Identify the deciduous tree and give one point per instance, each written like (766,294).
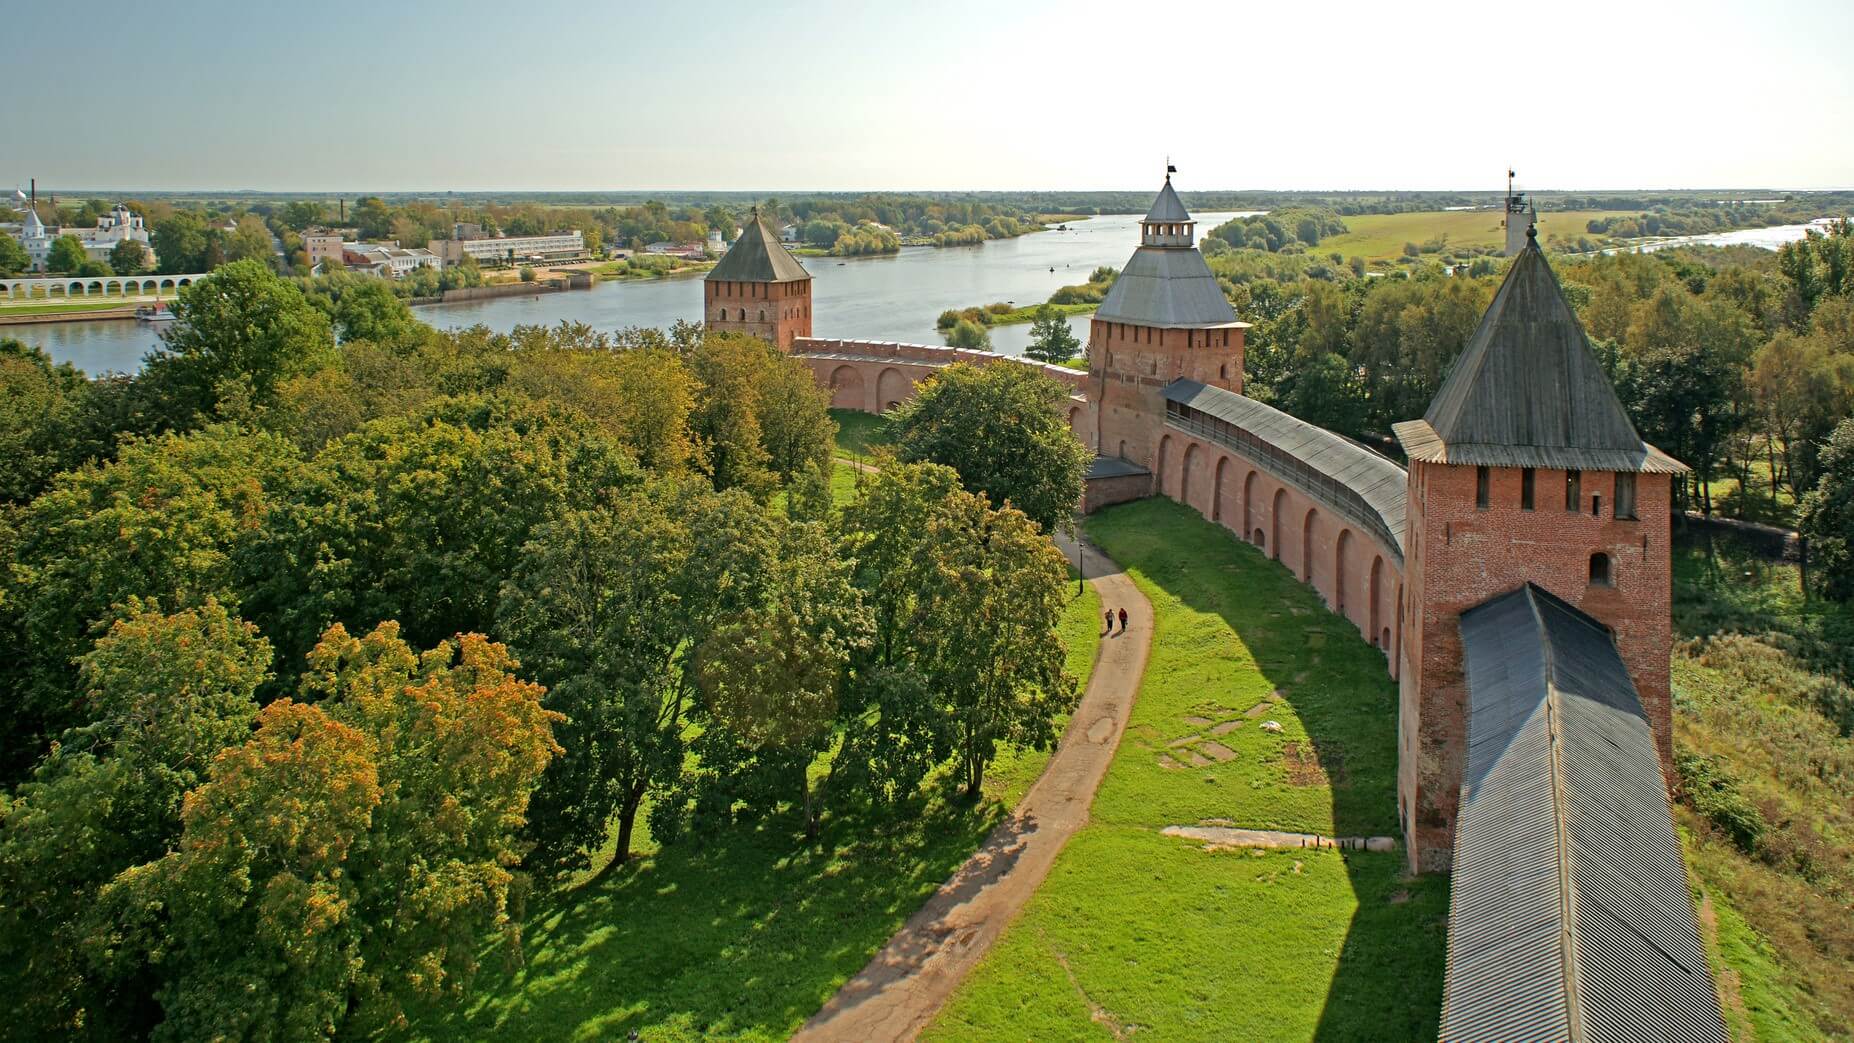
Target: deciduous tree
(1004,428)
(1051,340)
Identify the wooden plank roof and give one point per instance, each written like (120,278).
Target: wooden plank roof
(758,256)
(1527,391)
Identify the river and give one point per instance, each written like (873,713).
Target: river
(893,297)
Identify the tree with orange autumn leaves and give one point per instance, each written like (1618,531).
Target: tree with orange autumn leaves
(352,855)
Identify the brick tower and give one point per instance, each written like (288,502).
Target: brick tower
(1525,469)
(1165,318)
(759,288)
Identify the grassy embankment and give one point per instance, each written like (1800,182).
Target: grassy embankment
(1135,933)
(1381,237)
(99,303)
(742,935)
(1762,714)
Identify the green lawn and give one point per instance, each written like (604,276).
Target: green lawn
(1135,932)
(859,432)
(744,936)
(99,303)
(1380,237)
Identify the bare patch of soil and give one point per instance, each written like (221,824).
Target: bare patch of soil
(1305,767)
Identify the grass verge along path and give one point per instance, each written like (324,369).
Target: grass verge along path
(1137,934)
(913,975)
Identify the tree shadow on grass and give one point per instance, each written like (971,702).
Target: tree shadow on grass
(1388,981)
(742,937)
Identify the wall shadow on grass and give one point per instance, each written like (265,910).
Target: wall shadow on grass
(743,937)
(1388,981)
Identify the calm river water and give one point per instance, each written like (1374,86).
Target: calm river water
(896,297)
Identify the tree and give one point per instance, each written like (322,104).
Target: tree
(419,519)
(163,694)
(964,600)
(160,523)
(1051,340)
(67,254)
(607,606)
(238,333)
(130,257)
(726,418)
(42,421)
(180,242)
(13,257)
(1683,400)
(1004,428)
(771,676)
(969,335)
(1827,516)
(250,241)
(794,418)
(352,855)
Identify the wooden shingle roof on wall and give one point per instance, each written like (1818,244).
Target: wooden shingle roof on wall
(1528,391)
(1569,913)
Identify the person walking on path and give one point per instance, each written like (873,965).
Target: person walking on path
(1109,614)
(1123,620)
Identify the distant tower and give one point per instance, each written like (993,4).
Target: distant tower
(1525,469)
(759,288)
(1521,217)
(1164,319)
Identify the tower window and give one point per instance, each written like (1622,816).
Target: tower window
(1600,570)
(1481,483)
(1525,488)
(1625,496)
(1573,489)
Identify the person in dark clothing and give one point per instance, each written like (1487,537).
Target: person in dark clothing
(1123,620)
(1109,614)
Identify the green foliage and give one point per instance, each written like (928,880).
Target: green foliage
(353,854)
(1280,229)
(129,257)
(162,523)
(1003,428)
(162,695)
(1828,515)
(67,255)
(758,415)
(969,335)
(46,421)
(419,519)
(608,606)
(1051,340)
(13,257)
(1709,787)
(1820,266)
(238,334)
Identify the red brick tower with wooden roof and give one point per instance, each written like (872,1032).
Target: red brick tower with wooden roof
(1525,469)
(759,288)
(1165,318)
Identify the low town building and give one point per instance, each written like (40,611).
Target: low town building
(112,229)
(389,260)
(512,249)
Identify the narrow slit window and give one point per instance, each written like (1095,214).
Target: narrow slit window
(1625,496)
(1573,489)
(1526,476)
(1481,482)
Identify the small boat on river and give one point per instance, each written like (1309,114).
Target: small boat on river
(155,314)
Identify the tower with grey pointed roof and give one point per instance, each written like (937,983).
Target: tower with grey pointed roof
(1525,469)
(1165,318)
(759,288)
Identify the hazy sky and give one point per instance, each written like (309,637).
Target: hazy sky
(951,94)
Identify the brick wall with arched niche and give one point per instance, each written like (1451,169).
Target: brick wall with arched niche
(1349,566)
(874,376)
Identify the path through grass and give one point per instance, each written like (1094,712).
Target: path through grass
(1138,932)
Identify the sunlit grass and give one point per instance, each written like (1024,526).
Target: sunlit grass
(1146,934)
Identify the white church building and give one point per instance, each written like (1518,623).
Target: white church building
(112,229)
